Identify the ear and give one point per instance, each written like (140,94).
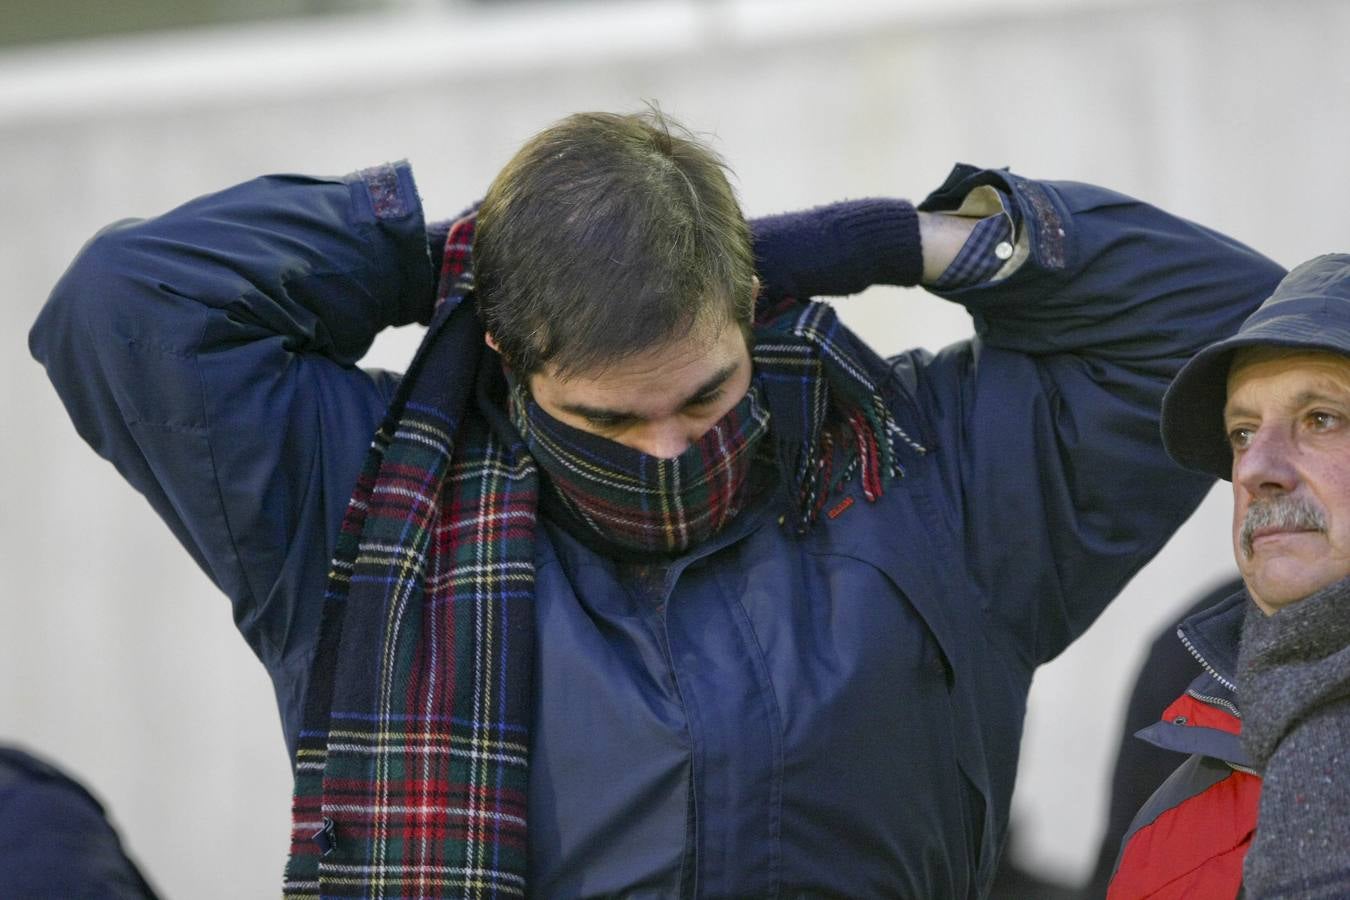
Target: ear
(493,345)
(755,286)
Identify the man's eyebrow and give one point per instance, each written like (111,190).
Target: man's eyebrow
(586,411)
(716,381)
(1309,397)
(1301,399)
(1236,412)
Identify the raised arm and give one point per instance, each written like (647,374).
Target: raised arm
(209,354)
(1047,422)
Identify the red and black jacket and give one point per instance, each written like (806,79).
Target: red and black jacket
(1190,838)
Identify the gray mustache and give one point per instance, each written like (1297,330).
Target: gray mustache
(1281,512)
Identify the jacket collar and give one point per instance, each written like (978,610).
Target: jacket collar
(1214,635)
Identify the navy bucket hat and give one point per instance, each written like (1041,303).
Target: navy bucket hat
(1309,310)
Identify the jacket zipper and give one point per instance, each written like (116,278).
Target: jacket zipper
(1216,701)
(1208,668)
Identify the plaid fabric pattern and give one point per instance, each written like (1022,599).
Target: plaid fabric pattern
(976,262)
(412,766)
(832,418)
(639,502)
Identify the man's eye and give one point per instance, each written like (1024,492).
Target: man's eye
(704,399)
(1322,421)
(608,426)
(1239,438)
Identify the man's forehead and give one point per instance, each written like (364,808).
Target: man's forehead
(701,346)
(1284,373)
(657,377)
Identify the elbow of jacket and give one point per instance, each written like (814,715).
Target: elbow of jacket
(82,290)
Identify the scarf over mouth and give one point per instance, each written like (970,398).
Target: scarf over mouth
(412,764)
(630,503)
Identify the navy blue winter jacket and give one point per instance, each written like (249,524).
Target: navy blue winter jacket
(55,839)
(834,714)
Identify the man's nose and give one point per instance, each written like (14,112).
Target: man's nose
(665,439)
(1267,464)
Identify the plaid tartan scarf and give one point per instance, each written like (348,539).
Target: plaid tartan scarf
(412,762)
(634,503)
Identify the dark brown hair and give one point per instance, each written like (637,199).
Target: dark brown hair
(605,236)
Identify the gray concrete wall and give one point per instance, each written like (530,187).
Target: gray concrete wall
(119,656)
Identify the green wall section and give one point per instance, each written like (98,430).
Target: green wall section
(23,22)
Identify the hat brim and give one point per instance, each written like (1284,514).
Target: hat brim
(1192,412)
(1309,311)
(1192,408)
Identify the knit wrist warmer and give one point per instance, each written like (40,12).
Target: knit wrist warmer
(829,251)
(839,249)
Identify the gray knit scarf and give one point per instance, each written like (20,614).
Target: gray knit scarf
(1294,687)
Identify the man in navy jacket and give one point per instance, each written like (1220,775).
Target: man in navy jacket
(836,712)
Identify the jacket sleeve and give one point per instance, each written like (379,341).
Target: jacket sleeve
(1057,483)
(209,354)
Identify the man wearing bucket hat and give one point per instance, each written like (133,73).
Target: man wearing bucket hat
(1268,724)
